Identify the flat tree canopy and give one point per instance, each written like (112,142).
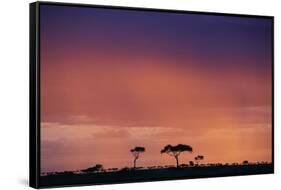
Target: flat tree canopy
(138,149)
(177,148)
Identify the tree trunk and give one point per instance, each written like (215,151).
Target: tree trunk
(135,160)
(177,159)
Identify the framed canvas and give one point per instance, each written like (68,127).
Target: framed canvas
(121,94)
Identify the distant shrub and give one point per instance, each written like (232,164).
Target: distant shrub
(96,168)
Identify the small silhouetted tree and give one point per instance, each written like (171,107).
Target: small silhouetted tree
(175,151)
(191,163)
(198,159)
(136,153)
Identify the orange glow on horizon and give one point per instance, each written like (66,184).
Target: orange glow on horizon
(115,108)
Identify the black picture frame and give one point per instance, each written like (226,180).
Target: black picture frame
(34,98)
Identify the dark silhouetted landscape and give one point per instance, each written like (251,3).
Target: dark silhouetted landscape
(98,175)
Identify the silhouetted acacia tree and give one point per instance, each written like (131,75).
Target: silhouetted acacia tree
(136,153)
(198,159)
(175,151)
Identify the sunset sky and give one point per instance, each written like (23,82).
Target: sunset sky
(115,79)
